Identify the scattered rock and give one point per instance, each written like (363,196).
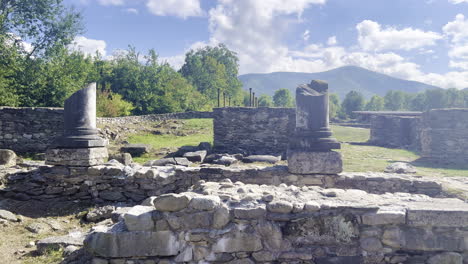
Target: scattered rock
(226,160)
(161,162)
(204,146)
(7,158)
(124,158)
(400,167)
(197,156)
(184,149)
(7,215)
(261,158)
(100,213)
(136,149)
(74,239)
(38,228)
(182,161)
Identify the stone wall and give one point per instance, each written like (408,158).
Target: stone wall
(253,130)
(29,129)
(116,182)
(154,117)
(395,131)
(444,137)
(230,222)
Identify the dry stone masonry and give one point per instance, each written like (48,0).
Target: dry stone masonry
(230,222)
(253,130)
(395,131)
(29,129)
(444,136)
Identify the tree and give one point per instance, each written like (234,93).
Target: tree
(211,69)
(435,98)
(376,103)
(265,101)
(110,104)
(334,105)
(394,100)
(46,24)
(354,101)
(283,98)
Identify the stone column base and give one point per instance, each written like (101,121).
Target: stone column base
(79,157)
(304,162)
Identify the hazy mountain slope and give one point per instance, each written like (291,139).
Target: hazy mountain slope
(340,80)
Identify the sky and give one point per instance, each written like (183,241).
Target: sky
(420,40)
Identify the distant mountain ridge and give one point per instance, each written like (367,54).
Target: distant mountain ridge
(340,80)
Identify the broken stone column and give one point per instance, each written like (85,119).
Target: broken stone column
(310,148)
(80,144)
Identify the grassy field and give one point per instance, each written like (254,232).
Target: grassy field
(357,156)
(198,130)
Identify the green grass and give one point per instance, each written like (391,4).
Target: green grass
(358,158)
(203,129)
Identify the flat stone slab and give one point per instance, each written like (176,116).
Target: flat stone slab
(136,149)
(304,162)
(80,157)
(262,158)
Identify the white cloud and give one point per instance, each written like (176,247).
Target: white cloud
(88,46)
(131,11)
(372,38)
(254,29)
(179,8)
(306,35)
(111,2)
(332,41)
(457,29)
(458,1)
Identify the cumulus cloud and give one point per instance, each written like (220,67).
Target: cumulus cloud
(88,46)
(179,8)
(457,32)
(372,37)
(458,1)
(332,41)
(111,2)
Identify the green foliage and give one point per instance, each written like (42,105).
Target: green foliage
(265,100)
(283,98)
(152,87)
(334,106)
(376,103)
(211,69)
(354,101)
(394,100)
(46,24)
(109,104)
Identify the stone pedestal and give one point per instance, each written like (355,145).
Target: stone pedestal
(80,144)
(310,147)
(76,157)
(306,162)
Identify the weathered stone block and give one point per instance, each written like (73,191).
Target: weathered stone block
(7,158)
(171,202)
(80,157)
(139,218)
(129,244)
(304,162)
(385,216)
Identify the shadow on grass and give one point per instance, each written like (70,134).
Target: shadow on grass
(430,163)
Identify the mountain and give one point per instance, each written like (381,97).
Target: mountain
(340,81)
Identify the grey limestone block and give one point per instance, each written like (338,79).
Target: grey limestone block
(79,157)
(306,162)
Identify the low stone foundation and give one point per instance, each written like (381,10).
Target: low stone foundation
(115,182)
(229,222)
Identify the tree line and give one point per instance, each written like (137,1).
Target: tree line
(45,71)
(395,100)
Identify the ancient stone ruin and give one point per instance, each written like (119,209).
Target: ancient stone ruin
(306,212)
(80,144)
(310,147)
